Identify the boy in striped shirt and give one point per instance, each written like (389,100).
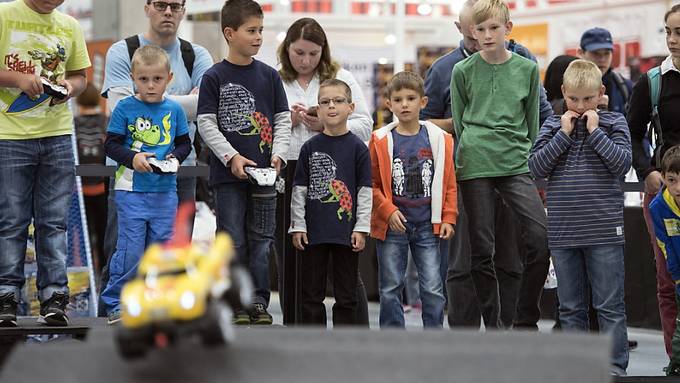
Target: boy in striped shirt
(584,153)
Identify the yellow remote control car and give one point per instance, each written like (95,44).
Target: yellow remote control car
(181,290)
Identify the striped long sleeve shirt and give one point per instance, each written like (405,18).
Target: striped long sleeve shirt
(585,197)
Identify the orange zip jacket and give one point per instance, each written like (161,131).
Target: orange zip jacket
(444,197)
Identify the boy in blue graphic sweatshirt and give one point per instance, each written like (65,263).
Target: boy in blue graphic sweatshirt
(143,126)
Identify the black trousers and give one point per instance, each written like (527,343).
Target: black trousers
(313,275)
(287,264)
(463,309)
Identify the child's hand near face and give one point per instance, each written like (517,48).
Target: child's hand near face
(140,164)
(567,120)
(358,241)
(593,120)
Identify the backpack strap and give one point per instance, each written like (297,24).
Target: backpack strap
(188,55)
(132,43)
(621,85)
(654,79)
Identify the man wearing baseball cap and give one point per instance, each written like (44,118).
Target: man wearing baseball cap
(597,46)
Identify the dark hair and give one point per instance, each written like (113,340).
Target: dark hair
(307,29)
(675,8)
(236,12)
(671,160)
(554,75)
(405,80)
(338,83)
(89,97)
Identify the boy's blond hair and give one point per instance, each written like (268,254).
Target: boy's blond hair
(405,80)
(150,55)
(486,9)
(582,74)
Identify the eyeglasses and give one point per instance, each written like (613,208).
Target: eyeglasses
(161,6)
(336,101)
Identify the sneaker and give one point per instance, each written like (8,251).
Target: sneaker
(259,315)
(53,310)
(241,318)
(672,370)
(114,317)
(8,310)
(632,345)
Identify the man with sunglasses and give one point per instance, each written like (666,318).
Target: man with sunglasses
(188,62)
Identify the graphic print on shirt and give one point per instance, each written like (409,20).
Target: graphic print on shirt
(324,187)
(236,113)
(34,53)
(145,133)
(412,175)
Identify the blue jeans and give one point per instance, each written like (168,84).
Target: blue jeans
(186,191)
(248,214)
(392,259)
(37,177)
(603,268)
(143,219)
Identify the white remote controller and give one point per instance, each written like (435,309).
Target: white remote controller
(163,166)
(261,176)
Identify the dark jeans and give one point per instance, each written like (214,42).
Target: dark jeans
(248,213)
(287,267)
(314,271)
(519,192)
(186,191)
(463,307)
(37,178)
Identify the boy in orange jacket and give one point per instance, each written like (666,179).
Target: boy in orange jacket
(414,200)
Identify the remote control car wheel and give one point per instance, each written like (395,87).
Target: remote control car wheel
(240,293)
(218,329)
(132,344)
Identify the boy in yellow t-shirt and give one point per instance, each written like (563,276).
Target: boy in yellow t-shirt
(43,64)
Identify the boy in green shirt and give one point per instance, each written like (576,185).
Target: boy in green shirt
(43,49)
(494,102)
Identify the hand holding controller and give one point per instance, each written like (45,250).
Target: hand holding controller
(54,90)
(261,176)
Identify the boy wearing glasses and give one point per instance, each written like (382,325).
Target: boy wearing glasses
(414,193)
(244,119)
(331,209)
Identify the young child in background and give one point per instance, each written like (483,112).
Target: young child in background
(665,212)
(90,128)
(331,209)
(414,194)
(584,153)
(143,126)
